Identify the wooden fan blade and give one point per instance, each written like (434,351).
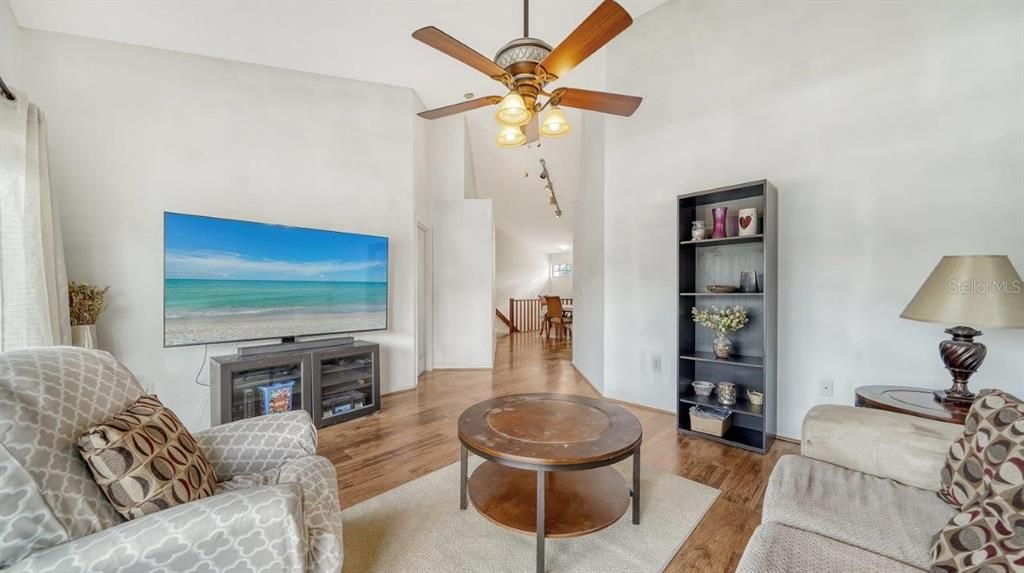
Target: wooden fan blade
(459,107)
(437,39)
(604,102)
(603,24)
(531,130)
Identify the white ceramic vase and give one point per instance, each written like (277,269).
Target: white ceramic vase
(747,222)
(84,336)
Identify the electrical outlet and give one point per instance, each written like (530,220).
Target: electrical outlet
(656,362)
(826,388)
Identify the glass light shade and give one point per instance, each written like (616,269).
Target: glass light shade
(510,136)
(555,124)
(512,111)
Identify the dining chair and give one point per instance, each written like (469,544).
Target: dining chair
(557,317)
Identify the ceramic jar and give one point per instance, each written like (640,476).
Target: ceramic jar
(727,393)
(747,222)
(699,232)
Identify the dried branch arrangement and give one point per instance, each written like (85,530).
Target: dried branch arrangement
(87,302)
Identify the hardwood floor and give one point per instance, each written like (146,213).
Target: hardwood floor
(415,434)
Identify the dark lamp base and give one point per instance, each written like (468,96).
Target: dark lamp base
(946,397)
(962,357)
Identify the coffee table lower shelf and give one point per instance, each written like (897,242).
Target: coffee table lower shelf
(576,502)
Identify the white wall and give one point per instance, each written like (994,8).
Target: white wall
(588,239)
(136,131)
(895,134)
(463,285)
(561,286)
(10,48)
(463,252)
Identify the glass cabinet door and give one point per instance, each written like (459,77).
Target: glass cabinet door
(266,389)
(343,385)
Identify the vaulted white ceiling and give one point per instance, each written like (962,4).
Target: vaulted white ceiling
(370,41)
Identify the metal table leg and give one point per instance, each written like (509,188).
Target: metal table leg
(463,478)
(636,487)
(541,475)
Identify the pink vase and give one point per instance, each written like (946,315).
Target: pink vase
(718,214)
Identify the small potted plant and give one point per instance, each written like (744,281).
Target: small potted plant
(87,302)
(723,321)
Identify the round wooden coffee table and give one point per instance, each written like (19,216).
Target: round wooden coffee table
(547,463)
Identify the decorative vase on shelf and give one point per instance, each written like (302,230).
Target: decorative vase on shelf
(727,393)
(84,336)
(698,232)
(719,216)
(722,345)
(747,222)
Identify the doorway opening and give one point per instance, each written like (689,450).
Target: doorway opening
(424,298)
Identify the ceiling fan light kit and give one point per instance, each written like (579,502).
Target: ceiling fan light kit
(527,65)
(512,111)
(555,123)
(511,136)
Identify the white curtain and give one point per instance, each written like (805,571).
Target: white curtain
(33,282)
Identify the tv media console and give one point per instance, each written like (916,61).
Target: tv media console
(334,383)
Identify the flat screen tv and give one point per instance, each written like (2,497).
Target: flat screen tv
(230,281)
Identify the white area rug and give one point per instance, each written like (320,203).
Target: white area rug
(419,527)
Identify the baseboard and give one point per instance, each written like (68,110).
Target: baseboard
(580,374)
(787,439)
(469,369)
(399,391)
(617,401)
(642,406)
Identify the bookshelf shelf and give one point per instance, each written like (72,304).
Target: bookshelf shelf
(725,241)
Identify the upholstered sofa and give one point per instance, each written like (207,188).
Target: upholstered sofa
(860,497)
(275,508)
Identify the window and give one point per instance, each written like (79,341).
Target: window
(561,271)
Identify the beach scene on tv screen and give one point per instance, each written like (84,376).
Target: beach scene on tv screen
(227,280)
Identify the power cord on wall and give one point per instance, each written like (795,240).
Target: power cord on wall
(206,349)
(203,408)
(206,399)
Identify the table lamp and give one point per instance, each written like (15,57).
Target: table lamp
(975,290)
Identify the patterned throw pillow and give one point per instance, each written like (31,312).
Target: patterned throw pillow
(984,478)
(145,460)
(988,458)
(987,536)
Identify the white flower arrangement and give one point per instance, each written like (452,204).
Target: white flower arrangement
(721,320)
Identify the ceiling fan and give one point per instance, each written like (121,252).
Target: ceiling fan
(526,65)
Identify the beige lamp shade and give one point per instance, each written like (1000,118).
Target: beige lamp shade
(975,291)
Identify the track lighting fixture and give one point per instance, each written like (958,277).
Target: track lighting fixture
(550,188)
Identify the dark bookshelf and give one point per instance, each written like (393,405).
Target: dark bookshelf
(719,261)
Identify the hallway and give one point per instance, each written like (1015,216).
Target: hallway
(415,434)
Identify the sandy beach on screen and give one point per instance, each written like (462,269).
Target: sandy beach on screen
(201,329)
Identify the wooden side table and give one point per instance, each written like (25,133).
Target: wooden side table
(912,401)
